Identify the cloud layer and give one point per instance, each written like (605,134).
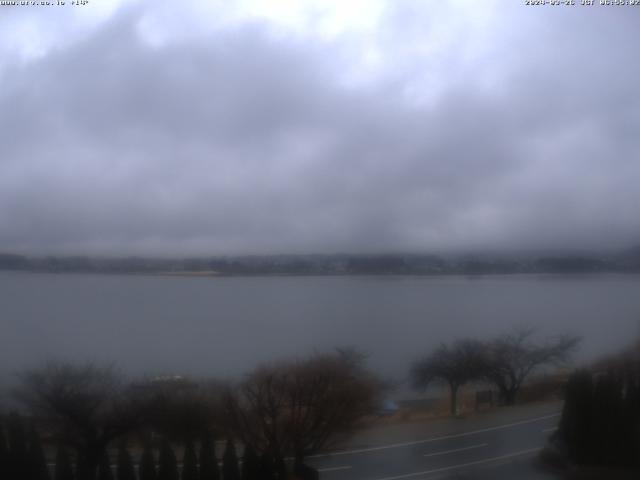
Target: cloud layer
(211,129)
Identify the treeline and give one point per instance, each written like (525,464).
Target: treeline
(330,264)
(22,457)
(101,426)
(600,422)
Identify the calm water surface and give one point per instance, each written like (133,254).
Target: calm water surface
(224,326)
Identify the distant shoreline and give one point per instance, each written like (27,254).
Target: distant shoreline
(334,265)
(197,274)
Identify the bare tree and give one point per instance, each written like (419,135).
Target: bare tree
(512,357)
(301,406)
(454,365)
(86,406)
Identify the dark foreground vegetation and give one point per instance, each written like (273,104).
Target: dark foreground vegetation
(504,362)
(600,423)
(92,425)
(86,422)
(626,261)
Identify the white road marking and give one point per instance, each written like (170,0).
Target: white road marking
(434,439)
(455,450)
(333,469)
(547,430)
(462,465)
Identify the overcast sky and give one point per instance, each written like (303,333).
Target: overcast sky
(318,126)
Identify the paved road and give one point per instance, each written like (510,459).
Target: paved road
(499,445)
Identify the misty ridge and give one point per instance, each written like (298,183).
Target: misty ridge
(627,261)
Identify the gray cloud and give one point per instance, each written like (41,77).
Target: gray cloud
(242,141)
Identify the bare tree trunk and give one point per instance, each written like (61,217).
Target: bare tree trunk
(509,396)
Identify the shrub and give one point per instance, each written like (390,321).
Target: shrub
(250,464)
(37,462)
(189,463)
(104,467)
(230,470)
(168,466)
(63,470)
(600,422)
(125,468)
(147,464)
(208,461)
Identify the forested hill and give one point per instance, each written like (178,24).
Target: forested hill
(628,261)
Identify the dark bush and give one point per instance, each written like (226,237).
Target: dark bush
(125,468)
(250,464)
(230,470)
(4,454)
(18,458)
(600,422)
(208,460)
(147,464)
(575,424)
(37,462)
(104,467)
(189,463)
(168,466)
(267,467)
(63,469)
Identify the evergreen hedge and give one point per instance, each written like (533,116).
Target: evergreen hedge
(600,422)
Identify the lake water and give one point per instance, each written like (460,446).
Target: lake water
(225,326)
